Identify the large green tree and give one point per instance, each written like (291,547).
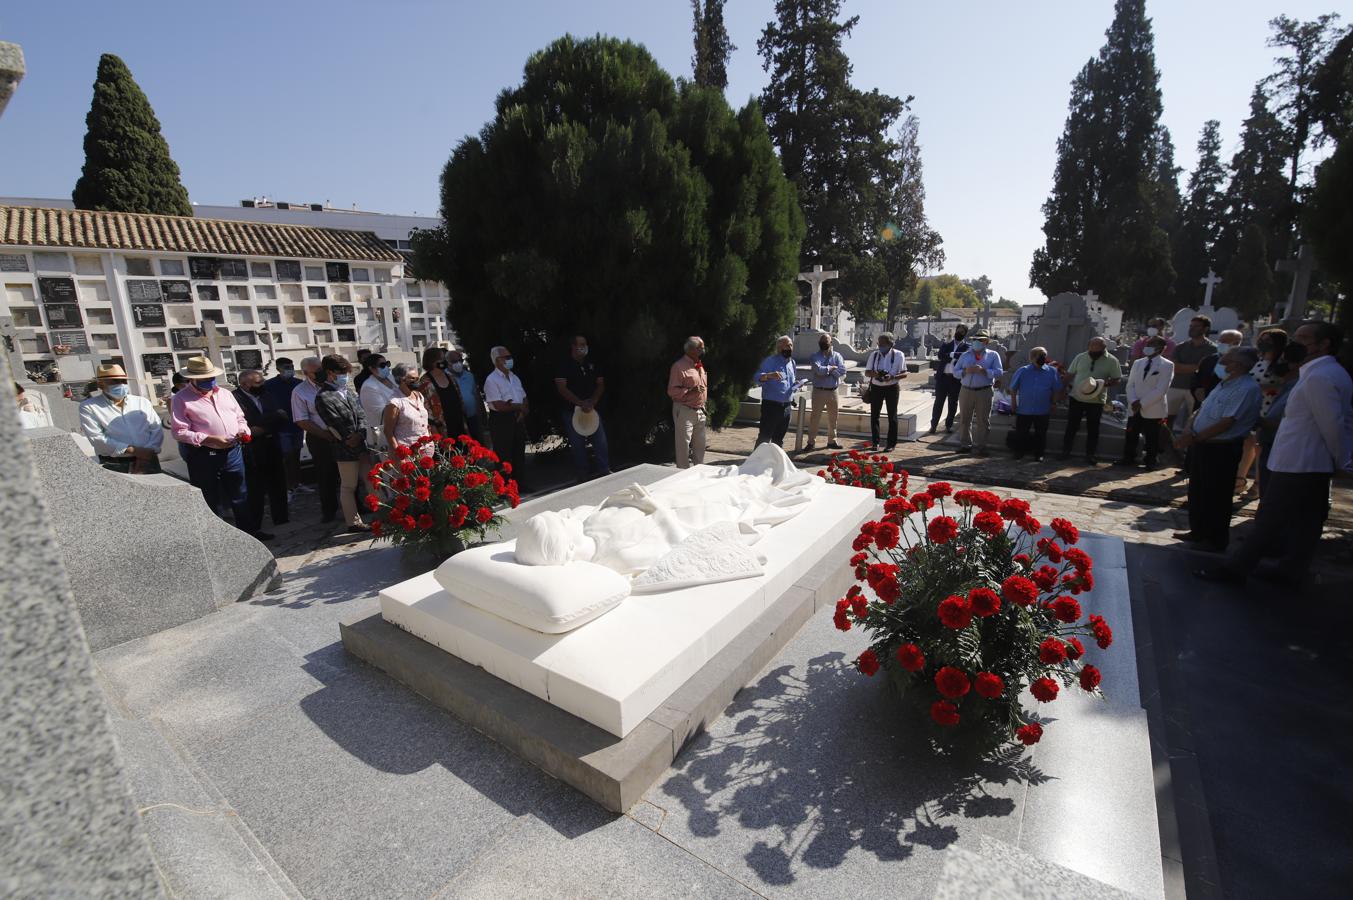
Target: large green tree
(858,181)
(1202,219)
(1114,193)
(607,200)
(709,65)
(1328,216)
(127,163)
(1248,284)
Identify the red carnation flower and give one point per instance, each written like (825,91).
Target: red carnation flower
(984,602)
(899,506)
(986,501)
(1029,734)
(402,502)
(889,591)
(458,461)
(483,514)
(1065,609)
(867,663)
(1052,651)
(1048,547)
(427,462)
(988,523)
(425,521)
(942,529)
(403,452)
(373,502)
(859,606)
(400,484)
(1103,633)
(421,493)
(1030,525)
(1090,678)
(1019,590)
(1068,533)
(944,713)
(911,658)
(1022,560)
(1044,690)
(1080,559)
(1045,577)
(408,467)
(246,437)
(940,489)
(1074,648)
(408,523)
(954,612)
(922,501)
(1013,510)
(450,492)
(377,529)
(989,685)
(952,683)
(842,618)
(861,542)
(887,535)
(422,481)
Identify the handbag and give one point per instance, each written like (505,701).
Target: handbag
(865,385)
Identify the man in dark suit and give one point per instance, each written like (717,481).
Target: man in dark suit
(265,472)
(277,405)
(947,384)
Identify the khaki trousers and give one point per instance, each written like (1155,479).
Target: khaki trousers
(974,416)
(823,399)
(349,478)
(690,435)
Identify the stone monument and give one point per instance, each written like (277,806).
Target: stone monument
(1065,328)
(1294,311)
(815,279)
(1222,319)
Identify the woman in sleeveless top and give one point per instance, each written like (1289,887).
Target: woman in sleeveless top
(406,416)
(446,410)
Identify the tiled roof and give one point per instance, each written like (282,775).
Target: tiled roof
(89,230)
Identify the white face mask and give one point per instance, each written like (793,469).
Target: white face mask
(1152,332)
(1149,351)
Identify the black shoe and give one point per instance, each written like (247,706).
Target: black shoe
(1186,536)
(1149,465)
(1219,574)
(832,445)
(890,448)
(981,451)
(1091,461)
(262,536)
(934,427)
(967,448)
(949,428)
(1125,462)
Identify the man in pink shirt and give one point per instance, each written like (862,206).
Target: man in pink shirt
(688,386)
(209,427)
(1154,328)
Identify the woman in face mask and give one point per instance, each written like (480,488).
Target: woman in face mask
(1271,342)
(405,418)
(377,390)
(446,408)
(1278,378)
(342,414)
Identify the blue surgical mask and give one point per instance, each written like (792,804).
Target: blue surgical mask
(384,372)
(458,367)
(508,365)
(1148,351)
(286,373)
(341,382)
(205,385)
(116,391)
(1221,371)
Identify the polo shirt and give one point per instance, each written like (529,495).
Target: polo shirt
(1186,353)
(580,377)
(1035,386)
(1237,398)
(1084,367)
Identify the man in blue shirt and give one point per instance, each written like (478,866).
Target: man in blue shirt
(1215,440)
(828,367)
(947,384)
(977,370)
(469,392)
(1033,391)
(776,377)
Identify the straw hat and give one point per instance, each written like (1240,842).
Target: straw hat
(200,367)
(1088,388)
(584,422)
(979,334)
(112,370)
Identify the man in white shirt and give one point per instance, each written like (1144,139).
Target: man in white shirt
(124,428)
(319,440)
(884,368)
(1313,442)
(1147,388)
(506,397)
(977,371)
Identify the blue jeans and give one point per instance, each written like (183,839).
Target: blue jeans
(219,475)
(577,443)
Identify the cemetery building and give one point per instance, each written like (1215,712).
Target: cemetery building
(83,286)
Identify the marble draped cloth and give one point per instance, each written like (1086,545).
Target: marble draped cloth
(695,528)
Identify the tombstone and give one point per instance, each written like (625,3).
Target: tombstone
(1064,329)
(1222,319)
(1294,310)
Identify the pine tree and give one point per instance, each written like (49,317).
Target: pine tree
(127,163)
(1248,285)
(836,144)
(1114,195)
(712,46)
(1258,191)
(1203,216)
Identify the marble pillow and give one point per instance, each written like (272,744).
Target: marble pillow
(549,599)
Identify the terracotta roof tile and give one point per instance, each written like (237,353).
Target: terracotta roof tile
(90,230)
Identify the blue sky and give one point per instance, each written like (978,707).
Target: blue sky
(362,102)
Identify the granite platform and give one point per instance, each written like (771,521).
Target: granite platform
(608,706)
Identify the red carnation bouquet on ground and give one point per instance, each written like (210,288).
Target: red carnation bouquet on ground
(439,494)
(876,471)
(968,606)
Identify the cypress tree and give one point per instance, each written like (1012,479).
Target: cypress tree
(1202,218)
(1258,192)
(712,46)
(1248,285)
(127,163)
(1114,197)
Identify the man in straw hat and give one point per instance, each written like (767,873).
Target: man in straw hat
(580,383)
(210,426)
(123,427)
(977,370)
(1090,376)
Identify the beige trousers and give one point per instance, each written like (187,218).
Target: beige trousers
(974,417)
(823,399)
(690,435)
(349,477)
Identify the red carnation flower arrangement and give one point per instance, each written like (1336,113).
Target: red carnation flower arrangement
(968,605)
(440,493)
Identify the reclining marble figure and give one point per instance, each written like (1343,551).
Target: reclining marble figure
(700,526)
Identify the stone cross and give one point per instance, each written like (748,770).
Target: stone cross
(213,342)
(815,278)
(10,345)
(1090,296)
(1211,281)
(1301,282)
(437,325)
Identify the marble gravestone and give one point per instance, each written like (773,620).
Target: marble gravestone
(1065,328)
(1222,319)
